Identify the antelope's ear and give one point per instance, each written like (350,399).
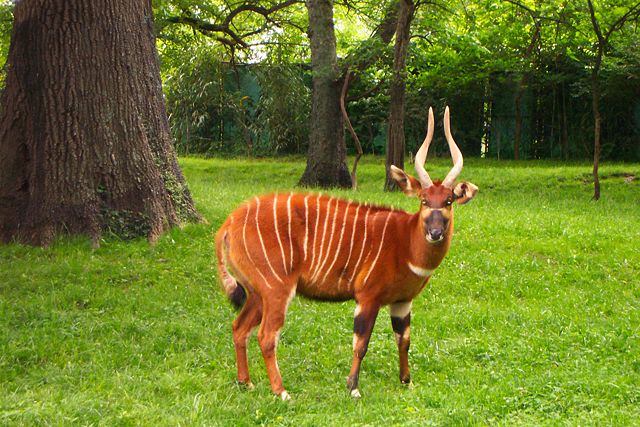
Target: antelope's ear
(409,184)
(464,192)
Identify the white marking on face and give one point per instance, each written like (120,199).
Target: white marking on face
(419,271)
(373,264)
(335,257)
(306,224)
(364,242)
(264,249)
(400,309)
(275,227)
(289,227)
(246,249)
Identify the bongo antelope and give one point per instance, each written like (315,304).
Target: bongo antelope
(325,248)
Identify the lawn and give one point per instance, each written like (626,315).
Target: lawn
(533,318)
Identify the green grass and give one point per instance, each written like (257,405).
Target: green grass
(533,318)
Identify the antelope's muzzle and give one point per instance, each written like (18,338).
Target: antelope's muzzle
(435,226)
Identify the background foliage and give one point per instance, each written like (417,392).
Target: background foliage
(473,55)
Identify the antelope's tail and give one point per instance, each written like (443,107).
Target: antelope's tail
(236,293)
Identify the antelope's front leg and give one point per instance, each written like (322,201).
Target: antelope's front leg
(363,320)
(400,319)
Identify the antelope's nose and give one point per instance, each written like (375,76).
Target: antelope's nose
(435,234)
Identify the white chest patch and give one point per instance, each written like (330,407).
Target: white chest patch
(419,271)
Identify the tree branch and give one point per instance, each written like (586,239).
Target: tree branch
(535,15)
(366,93)
(232,38)
(596,26)
(345,115)
(251,7)
(206,28)
(634,10)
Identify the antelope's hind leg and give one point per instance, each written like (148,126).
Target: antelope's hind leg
(243,325)
(274,312)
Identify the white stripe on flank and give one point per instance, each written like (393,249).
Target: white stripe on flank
(275,227)
(373,264)
(419,271)
(364,243)
(333,229)
(353,233)
(264,250)
(306,224)
(324,234)
(290,240)
(335,257)
(315,232)
(246,249)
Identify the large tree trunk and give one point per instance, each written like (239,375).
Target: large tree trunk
(395,132)
(85,146)
(326,162)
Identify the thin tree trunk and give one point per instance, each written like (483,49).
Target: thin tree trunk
(518,129)
(597,120)
(395,133)
(85,146)
(565,124)
(354,135)
(326,161)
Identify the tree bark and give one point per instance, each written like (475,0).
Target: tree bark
(595,96)
(326,161)
(395,132)
(85,146)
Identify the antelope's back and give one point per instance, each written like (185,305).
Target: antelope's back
(326,245)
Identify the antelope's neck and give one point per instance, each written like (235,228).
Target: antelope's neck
(424,254)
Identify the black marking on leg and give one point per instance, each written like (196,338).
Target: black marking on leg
(360,324)
(238,297)
(399,325)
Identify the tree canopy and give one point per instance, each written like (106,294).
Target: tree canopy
(237,74)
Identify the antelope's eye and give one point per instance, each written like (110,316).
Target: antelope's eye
(449,202)
(424,202)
